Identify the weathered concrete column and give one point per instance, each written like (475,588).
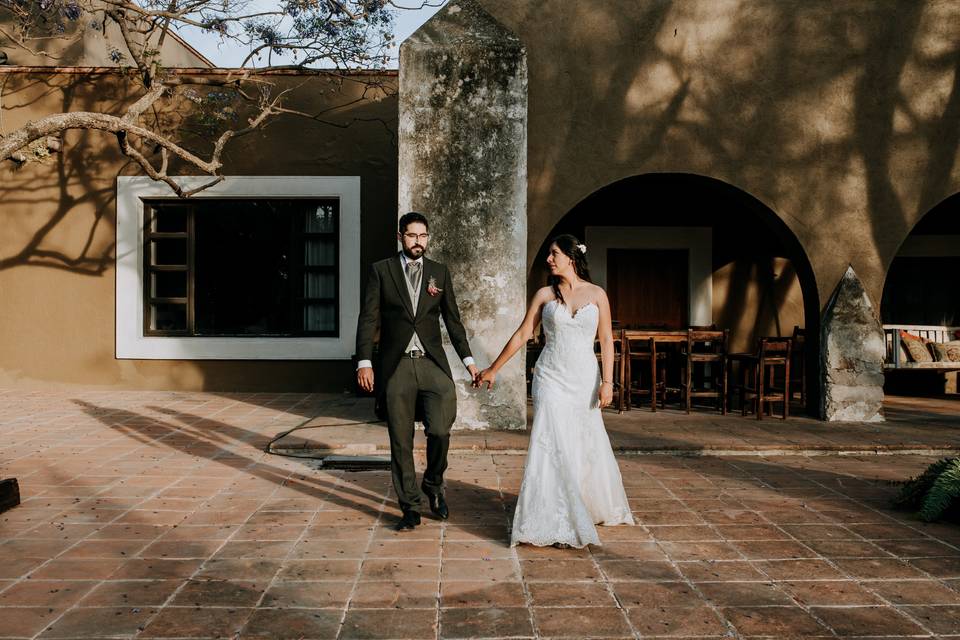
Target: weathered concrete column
(852,355)
(463,163)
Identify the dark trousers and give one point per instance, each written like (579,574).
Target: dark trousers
(419,380)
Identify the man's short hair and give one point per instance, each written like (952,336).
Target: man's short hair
(409,218)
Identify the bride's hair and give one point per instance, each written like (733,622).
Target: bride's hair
(571,247)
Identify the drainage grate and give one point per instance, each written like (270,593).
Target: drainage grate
(355,463)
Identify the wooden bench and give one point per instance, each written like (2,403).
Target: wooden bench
(894,358)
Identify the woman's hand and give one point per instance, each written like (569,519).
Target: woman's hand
(605,394)
(488,377)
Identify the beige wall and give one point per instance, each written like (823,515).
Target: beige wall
(85,44)
(57,252)
(840,116)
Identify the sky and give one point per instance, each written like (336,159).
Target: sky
(228,54)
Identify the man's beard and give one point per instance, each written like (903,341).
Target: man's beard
(410,253)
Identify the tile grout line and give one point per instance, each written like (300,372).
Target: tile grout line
(203,564)
(85,538)
(731,629)
(753,563)
(356,580)
(859,538)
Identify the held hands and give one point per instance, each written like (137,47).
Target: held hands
(605,395)
(487,376)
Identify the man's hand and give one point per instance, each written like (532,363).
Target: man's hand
(365,379)
(488,377)
(474,372)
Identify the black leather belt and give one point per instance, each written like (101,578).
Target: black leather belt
(415,353)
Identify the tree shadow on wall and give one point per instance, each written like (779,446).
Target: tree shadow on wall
(78,235)
(803,105)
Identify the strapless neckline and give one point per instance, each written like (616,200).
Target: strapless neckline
(573,316)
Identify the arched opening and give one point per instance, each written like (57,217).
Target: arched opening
(676,250)
(921,297)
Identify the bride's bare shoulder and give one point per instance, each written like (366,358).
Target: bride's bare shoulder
(543,295)
(598,292)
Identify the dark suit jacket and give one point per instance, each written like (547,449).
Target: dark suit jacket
(386,302)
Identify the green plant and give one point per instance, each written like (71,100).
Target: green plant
(935,493)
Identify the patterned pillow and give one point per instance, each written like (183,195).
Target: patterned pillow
(947,351)
(915,347)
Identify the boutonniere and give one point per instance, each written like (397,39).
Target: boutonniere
(432,288)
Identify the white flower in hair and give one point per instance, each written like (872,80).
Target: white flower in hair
(583,248)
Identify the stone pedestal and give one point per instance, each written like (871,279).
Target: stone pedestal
(852,355)
(463,163)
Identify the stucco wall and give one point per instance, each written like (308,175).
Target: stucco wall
(57,254)
(841,116)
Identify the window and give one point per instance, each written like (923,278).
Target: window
(240,267)
(255,267)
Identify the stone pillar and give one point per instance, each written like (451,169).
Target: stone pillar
(463,163)
(852,352)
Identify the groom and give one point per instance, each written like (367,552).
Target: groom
(406,295)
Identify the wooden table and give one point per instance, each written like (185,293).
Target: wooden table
(654,336)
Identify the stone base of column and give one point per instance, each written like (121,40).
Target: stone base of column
(852,355)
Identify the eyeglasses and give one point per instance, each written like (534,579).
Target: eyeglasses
(417,236)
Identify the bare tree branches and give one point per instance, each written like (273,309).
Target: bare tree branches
(345,34)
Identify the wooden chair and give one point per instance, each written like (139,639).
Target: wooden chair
(619,368)
(799,366)
(759,375)
(705,350)
(641,358)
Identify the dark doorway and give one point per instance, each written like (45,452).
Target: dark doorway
(648,287)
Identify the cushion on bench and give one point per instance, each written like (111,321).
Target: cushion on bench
(947,351)
(916,347)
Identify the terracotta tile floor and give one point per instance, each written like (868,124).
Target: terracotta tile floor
(158,515)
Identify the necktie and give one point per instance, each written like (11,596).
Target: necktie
(413,275)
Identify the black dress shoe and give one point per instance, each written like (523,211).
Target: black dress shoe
(438,505)
(409,520)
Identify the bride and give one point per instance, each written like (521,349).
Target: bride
(571,481)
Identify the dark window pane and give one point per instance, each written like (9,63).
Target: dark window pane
(170,219)
(244,266)
(319,253)
(321,218)
(169,284)
(168,317)
(319,285)
(170,251)
(252,265)
(319,317)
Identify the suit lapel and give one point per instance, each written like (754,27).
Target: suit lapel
(428,272)
(400,280)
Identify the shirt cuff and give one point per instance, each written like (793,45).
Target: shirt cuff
(468,361)
(364,364)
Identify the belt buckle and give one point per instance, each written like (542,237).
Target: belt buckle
(415,354)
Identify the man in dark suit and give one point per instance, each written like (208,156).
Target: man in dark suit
(406,296)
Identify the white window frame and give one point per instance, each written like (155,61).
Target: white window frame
(130,341)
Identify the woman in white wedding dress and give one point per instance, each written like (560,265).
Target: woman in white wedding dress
(571,481)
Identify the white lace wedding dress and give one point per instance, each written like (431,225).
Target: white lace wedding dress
(571,480)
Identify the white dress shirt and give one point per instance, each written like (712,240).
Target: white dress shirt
(415,339)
